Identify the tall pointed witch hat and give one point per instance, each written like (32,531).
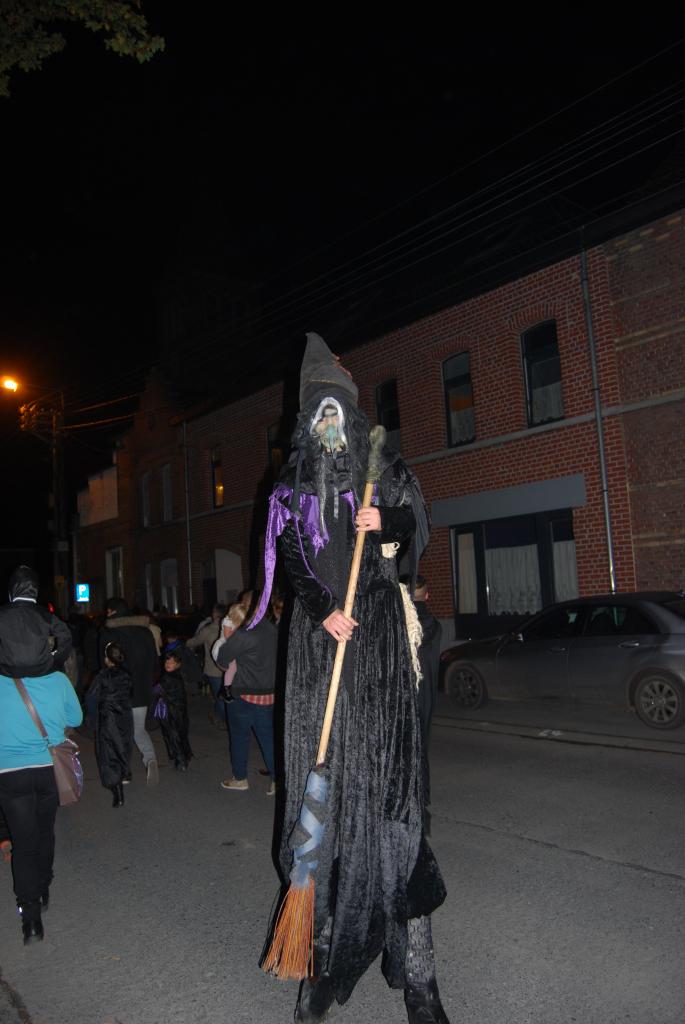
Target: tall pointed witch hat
(322,373)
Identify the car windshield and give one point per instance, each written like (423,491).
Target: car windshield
(677,606)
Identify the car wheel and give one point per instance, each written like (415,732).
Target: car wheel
(466,685)
(660,701)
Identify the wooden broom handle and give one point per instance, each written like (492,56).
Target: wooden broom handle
(377,439)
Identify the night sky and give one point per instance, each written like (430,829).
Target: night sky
(264,152)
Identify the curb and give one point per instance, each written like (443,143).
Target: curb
(585,739)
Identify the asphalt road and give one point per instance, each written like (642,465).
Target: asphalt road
(565,867)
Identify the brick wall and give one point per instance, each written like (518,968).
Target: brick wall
(638,309)
(647,274)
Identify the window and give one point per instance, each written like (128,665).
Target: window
(456,375)
(564,555)
(617,620)
(167,502)
(558,624)
(277,445)
(217,478)
(145,498)
(512,567)
(168,570)
(114,572)
(467,581)
(506,570)
(387,407)
(149,593)
(542,368)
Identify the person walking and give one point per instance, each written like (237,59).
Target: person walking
(171,690)
(140,652)
(28,791)
(252,689)
(111,691)
(33,641)
(206,636)
(429,660)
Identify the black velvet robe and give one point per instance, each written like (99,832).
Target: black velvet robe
(113,724)
(175,726)
(376,868)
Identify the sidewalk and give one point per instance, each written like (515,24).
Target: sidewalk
(564,723)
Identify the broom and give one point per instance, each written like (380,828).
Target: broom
(290,954)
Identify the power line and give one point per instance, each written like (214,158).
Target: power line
(98,423)
(491,152)
(285,317)
(354,273)
(100,405)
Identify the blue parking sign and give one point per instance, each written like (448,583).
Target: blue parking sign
(82,593)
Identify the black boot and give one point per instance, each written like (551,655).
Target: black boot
(31,924)
(118,795)
(423,1004)
(316,994)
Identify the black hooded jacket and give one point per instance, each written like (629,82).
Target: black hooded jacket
(26,630)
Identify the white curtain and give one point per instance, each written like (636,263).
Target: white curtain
(565,573)
(548,403)
(513,577)
(467,587)
(462,426)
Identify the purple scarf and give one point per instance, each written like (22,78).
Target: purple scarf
(279,514)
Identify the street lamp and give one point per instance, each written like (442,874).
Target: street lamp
(44,418)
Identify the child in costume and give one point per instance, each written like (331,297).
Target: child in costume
(172,711)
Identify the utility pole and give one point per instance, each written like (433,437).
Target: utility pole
(44,418)
(60,540)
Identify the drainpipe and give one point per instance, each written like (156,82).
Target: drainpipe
(185,473)
(598,418)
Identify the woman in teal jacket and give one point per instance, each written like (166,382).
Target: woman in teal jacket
(28,792)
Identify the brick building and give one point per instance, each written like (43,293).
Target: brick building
(131,534)
(495,403)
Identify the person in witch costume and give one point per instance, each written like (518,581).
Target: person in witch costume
(377,881)
(174,722)
(111,692)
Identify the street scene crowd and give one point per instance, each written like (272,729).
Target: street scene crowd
(360,675)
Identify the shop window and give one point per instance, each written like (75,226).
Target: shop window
(456,375)
(542,367)
(506,570)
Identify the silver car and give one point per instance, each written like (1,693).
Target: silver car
(622,649)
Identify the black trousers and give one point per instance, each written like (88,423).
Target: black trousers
(29,801)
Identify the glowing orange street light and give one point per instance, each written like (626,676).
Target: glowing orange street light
(10,384)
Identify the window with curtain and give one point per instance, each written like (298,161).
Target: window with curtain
(456,375)
(145,498)
(542,367)
(564,558)
(167,503)
(512,567)
(217,478)
(168,572)
(114,571)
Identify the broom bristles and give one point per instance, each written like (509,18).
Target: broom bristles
(290,954)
